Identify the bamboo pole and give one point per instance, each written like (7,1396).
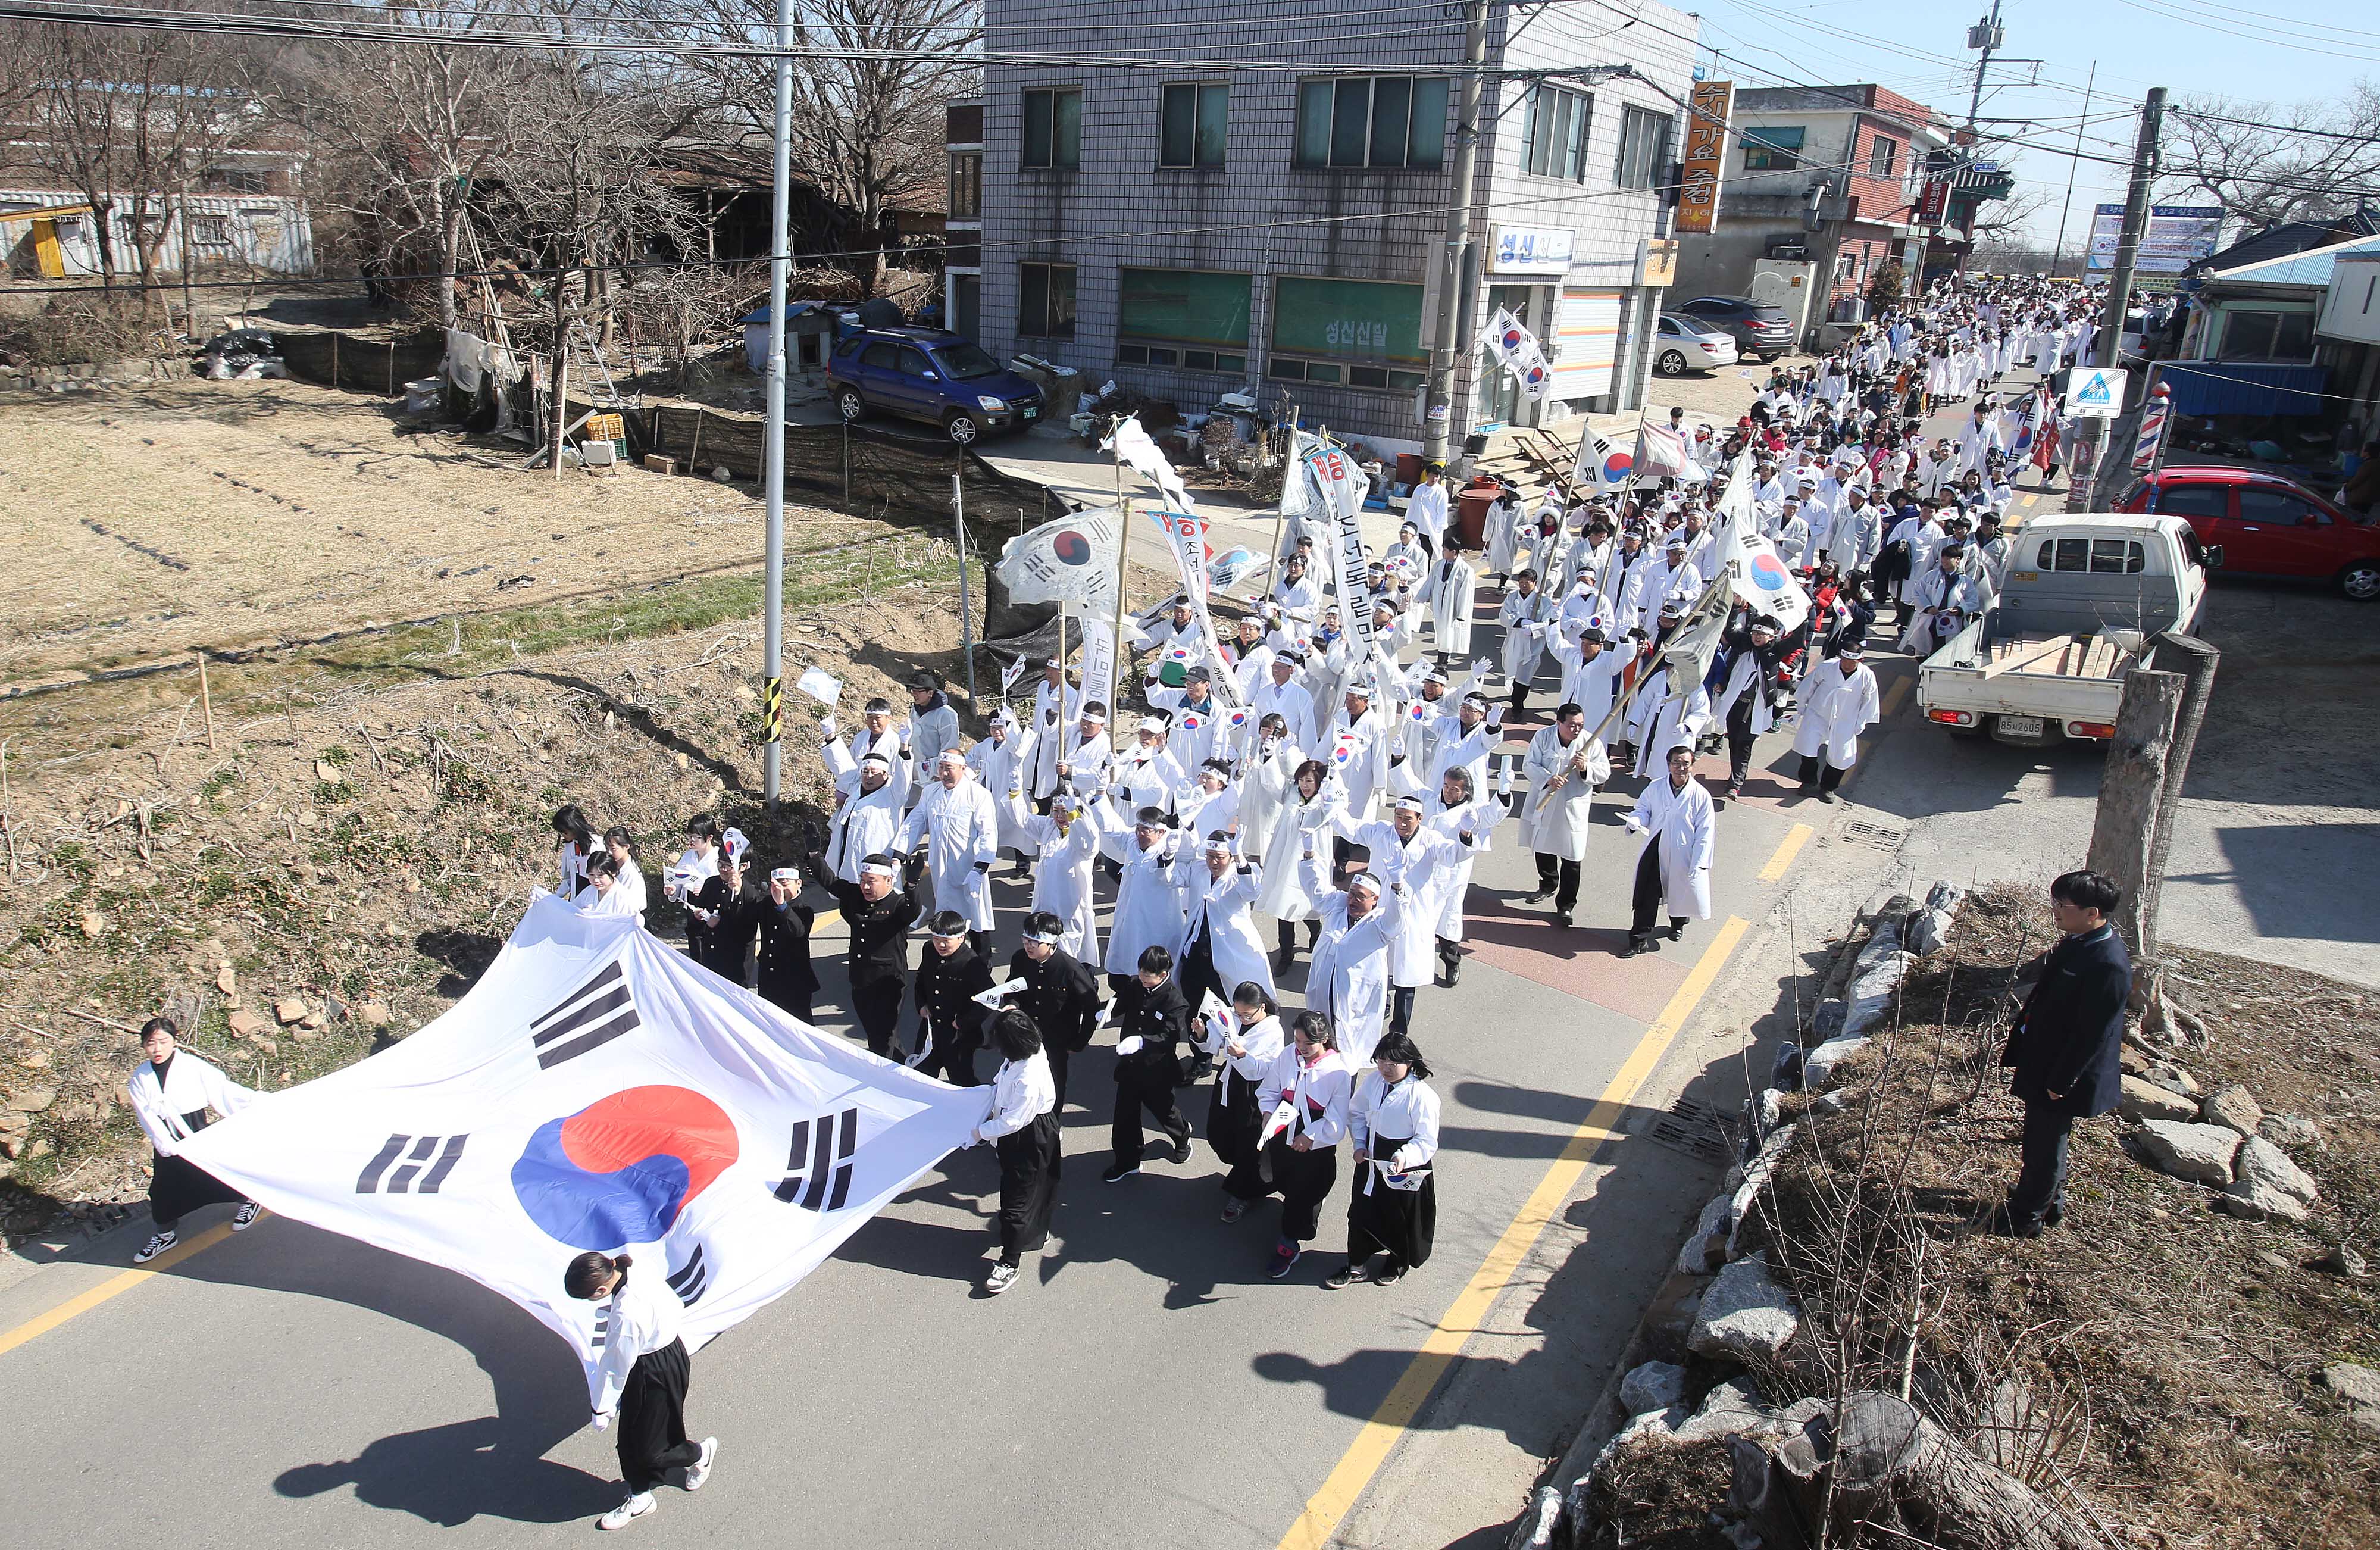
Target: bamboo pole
(7,819)
(206,701)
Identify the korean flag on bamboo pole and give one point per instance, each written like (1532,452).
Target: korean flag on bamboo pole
(596,1090)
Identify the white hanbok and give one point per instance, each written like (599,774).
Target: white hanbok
(1063,879)
(1349,981)
(959,826)
(1560,805)
(1835,708)
(1683,824)
(1449,591)
(1223,905)
(1298,852)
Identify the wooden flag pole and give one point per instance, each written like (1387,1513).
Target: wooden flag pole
(206,701)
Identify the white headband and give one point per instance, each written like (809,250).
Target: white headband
(1048,939)
(785,875)
(877,868)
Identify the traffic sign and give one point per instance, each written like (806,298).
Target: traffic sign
(2097,393)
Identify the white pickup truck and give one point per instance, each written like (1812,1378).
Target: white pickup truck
(2081,599)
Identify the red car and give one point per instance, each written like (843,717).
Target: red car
(2266,525)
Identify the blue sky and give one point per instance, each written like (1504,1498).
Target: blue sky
(2281,52)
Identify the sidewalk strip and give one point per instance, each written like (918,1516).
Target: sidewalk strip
(1330,1505)
(114,1286)
(1787,848)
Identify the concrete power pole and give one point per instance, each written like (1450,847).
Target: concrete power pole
(772,430)
(1987,36)
(1438,417)
(2089,434)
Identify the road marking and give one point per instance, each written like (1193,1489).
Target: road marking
(114,1287)
(1787,848)
(1894,696)
(1330,1505)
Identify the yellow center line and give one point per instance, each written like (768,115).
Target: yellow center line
(114,1286)
(1787,848)
(1330,1505)
(1893,697)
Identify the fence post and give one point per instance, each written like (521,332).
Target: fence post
(334,358)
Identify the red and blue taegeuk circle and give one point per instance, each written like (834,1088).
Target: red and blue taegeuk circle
(1617,466)
(1512,338)
(621,1169)
(1769,573)
(1072,547)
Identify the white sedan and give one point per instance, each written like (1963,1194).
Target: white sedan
(1690,345)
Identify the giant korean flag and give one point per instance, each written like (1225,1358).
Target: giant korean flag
(596,1090)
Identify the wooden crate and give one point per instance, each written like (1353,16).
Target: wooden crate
(656,462)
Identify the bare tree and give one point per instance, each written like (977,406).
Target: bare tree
(2309,161)
(866,132)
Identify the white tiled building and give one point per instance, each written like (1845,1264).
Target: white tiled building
(1191,232)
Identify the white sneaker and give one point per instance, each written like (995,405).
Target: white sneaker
(245,1217)
(627,1512)
(1003,1276)
(700,1471)
(156,1246)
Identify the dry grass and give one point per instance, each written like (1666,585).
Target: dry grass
(2151,1366)
(143,522)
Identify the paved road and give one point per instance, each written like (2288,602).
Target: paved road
(1146,1384)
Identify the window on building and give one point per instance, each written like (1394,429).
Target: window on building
(1053,128)
(1644,146)
(235,180)
(1347,332)
(1883,156)
(1774,147)
(967,185)
(1044,306)
(1556,142)
(1372,121)
(1193,319)
(211,231)
(1192,134)
(2267,337)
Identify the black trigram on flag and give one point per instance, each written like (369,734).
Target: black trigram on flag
(437,1153)
(591,1016)
(691,1279)
(818,1167)
(602,1335)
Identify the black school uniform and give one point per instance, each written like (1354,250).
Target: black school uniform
(1146,1078)
(952,1020)
(729,939)
(1062,997)
(787,977)
(879,959)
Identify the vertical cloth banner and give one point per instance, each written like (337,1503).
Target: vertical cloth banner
(1099,658)
(1338,489)
(1186,536)
(598,1090)
(1070,560)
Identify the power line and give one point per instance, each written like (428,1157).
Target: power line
(2277,129)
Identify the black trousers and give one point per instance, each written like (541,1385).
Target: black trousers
(1739,752)
(1029,1186)
(1059,1057)
(651,1423)
(1647,899)
(1286,934)
(1817,769)
(1560,874)
(1198,971)
(1144,1084)
(2041,1179)
(786,1001)
(953,1057)
(1303,1179)
(1400,1006)
(876,1007)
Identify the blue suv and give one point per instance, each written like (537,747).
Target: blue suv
(922,373)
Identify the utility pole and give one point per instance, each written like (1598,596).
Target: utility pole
(1438,417)
(1986,35)
(772,428)
(2089,433)
(2073,165)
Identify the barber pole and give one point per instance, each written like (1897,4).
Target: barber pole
(2148,448)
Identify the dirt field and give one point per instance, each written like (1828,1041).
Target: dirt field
(144,522)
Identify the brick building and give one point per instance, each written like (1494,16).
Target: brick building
(1191,232)
(1819,184)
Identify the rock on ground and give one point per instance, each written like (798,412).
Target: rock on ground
(1656,1385)
(2260,1162)
(2143,1098)
(2201,1153)
(1707,1246)
(2288,1129)
(2234,1107)
(1745,1314)
(1730,1408)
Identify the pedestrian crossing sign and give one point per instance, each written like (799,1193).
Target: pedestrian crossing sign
(2097,394)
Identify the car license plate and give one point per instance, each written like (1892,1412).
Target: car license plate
(1031,410)
(2021,725)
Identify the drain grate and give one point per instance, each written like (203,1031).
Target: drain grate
(1695,1128)
(1878,836)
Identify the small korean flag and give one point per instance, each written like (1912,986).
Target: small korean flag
(1344,749)
(1420,709)
(1237,719)
(1192,721)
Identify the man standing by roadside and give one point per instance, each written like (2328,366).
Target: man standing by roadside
(2065,1046)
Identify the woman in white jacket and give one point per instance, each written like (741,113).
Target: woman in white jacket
(1303,1098)
(1269,777)
(1023,1124)
(1297,857)
(1392,1198)
(172,1090)
(1244,1041)
(641,1380)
